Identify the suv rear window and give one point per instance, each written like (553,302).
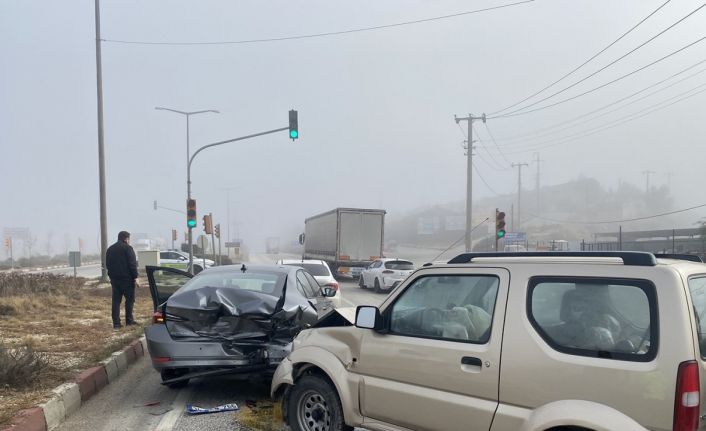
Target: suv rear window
(400,265)
(697,288)
(605,318)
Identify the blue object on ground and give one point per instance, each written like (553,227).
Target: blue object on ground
(195,410)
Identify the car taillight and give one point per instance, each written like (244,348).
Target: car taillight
(388,271)
(687,398)
(157,317)
(333,286)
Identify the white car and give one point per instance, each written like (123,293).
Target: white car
(321,272)
(385,274)
(180,260)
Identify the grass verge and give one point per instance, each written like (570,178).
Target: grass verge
(64,322)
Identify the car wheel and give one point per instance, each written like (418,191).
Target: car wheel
(377,286)
(361,282)
(313,405)
(169,374)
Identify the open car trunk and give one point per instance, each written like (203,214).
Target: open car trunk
(251,315)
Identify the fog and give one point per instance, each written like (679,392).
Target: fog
(376,108)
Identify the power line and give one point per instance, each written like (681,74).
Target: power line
(485,182)
(603,85)
(620,107)
(611,125)
(485,147)
(315,35)
(496,144)
(538,132)
(606,66)
(621,221)
(584,63)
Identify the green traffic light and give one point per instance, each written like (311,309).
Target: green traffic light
(294,134)
(191,223)
(501,233)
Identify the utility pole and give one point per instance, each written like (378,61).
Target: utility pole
(469,174)
(101,148)
(537,161)
(647,178)
(669,179)
(519,192)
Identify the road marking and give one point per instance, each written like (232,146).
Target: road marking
(178,405)
(350,304)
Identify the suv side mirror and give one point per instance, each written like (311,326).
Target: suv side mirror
(328,292)
(368,317)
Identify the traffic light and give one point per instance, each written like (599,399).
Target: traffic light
(499,224)
(174,235)
(207,226)
(191,213)
(8,242)
(217,231)
(293,124)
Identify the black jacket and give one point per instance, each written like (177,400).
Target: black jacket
(121,262)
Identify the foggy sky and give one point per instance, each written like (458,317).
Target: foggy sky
(375,108)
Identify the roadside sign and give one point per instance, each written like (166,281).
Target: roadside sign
(515,236)
(232,244)
(74,260)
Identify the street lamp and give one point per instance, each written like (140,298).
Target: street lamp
(188,179)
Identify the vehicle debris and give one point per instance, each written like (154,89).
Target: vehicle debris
(196,410)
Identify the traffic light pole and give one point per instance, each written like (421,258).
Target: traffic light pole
(469,175)
(213,238)
(188,177)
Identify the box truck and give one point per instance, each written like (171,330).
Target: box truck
(348,239)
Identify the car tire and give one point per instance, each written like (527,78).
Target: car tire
(377,286)
(361,282)
(169,374)
(313,405)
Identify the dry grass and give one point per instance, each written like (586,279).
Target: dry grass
(69,325)
(265,416)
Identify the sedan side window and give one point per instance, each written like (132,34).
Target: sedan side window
(454,307)
(308,289)
(314,284)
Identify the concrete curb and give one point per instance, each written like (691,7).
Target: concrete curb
(69,396)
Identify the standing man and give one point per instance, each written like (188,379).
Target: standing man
(122,269)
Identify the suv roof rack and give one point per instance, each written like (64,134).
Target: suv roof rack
(689,257)
(632,258)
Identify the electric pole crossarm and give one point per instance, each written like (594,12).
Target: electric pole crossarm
(234,140)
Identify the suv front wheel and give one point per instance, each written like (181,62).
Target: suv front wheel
(313,405)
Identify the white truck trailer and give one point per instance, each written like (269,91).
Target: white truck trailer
(348,239)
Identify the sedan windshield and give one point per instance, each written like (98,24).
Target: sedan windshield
(263,282)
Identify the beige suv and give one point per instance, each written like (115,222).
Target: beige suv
(511,341)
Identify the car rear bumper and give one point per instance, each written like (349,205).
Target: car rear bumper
(391,283)
(166,353)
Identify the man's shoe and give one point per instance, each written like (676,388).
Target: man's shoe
(131,323)
(117,326)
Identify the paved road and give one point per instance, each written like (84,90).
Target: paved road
(88,271)
(121,405)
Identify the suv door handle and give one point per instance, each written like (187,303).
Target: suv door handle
(470,360)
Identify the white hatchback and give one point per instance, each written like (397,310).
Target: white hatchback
(321,272)
(385,274)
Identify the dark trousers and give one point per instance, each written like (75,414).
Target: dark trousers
(122,288)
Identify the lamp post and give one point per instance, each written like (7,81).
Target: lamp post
(188,179)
